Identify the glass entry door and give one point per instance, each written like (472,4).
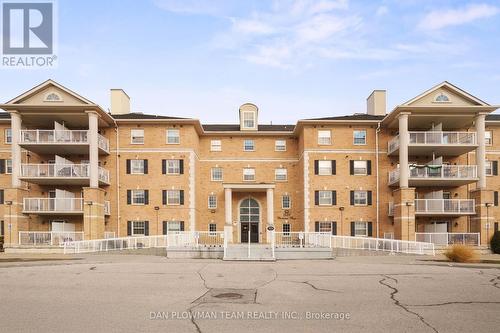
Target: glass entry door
(249,219)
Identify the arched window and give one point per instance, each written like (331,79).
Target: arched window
(249,210)
(442,98)
(53,97)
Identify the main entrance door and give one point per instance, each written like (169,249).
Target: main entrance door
(249,219)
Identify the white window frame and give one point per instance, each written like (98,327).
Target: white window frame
(247,147)
(176,138)
(250,172)
(173,197)
(137,136)
(354,138)
(325,195)
(138,225)
(212,229)
(325,226)
(135,169)
(215,171)
(176,223)
(8,166)
(488,165)
(212,201)
(360,225)
(286,201)
(173,167)
(280,145)
(360,198)
(246,119)
(286,228)
(281,174)
(135,195)
(215,145)
(325,170)
(8,136)
(323,139)
(365,168)
(488,138)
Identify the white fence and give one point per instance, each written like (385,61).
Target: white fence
(56,205)
(109,234)
(448,238)
(457,206)
(48,238)
(172,240)
(382,244)
(61,137)
(436,137)
(301,239)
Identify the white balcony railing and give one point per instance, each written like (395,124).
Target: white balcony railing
(390,211)
(450,172)
(54,136)
(56,205)
(103,143)
(393,145)
(104,175)
(445,206)
(48,238)
(107,209)
(443,138)
(448,238)
(55,170)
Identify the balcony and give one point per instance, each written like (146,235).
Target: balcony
(66,142)
(444,207)
(448,238)
(437,175)
(61,174)
(48,238)
(53,206)
(439,143)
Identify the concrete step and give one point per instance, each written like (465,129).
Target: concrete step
(258,252)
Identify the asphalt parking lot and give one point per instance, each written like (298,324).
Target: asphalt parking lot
(131,293)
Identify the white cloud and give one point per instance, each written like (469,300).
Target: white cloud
(443,18)
(194,7)
(382,10)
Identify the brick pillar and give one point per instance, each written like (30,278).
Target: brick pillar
(483,221)
(404,216)
(93,213)
(14,219)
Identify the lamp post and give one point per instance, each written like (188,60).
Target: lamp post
(9,203)
(157,209)
(408,205)
(488,205)
(341,209)
(90,203)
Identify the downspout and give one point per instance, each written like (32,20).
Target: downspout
(117,181)
(377,172)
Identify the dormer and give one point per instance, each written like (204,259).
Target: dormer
(249,117)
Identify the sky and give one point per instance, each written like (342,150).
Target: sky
(294,59)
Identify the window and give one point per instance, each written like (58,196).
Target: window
(53,97)
(216,174)
(324,167)
(8,166)
(280,174)
(2,197)
(138,197)
(215,145)
(325,227)
(137,167)
(173,137)
(249,174)
(8,135)
(442,98)
(359,137)
(325,198)
(172,226)
(360,229)
(488,165)
(173,197)
(280,145)
(138,228)
(212,229)
(324,137)
(137,136)
(286,202)
(360,198)
(248,119)
(212,201)
(173,167)
(488,138)
(248,145)
(360,168)
(286,229)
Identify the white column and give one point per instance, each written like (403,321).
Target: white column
(404,139)
(93,148)
(228,205)
(16,148)
(481,150)
(270,212)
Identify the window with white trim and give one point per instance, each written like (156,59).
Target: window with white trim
(360,229)
(488,138)
(488,168)
(360,198)
(248,119)
(174,226)
(359,137)
(280,145)
(325,226)
(138,197)
(215,145)
(280,174)
(8,135)
(8,166)
(360,168)
(286,202)
(286,229)
(248,145)
(173,197)
(212,201)
(216,174)
(173,137)
(138,228)
(324,168)
(325,198)
(137,136)
(248,174)
(324,137)
(173,167)
(137,167)
(212,229)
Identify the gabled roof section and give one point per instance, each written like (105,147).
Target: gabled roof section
(44,85)
(449,87)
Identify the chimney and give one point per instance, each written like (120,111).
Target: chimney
(375,103)
(120,102)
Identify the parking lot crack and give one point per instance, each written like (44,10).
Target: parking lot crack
(393,293)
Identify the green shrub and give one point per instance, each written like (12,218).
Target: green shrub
(495,242)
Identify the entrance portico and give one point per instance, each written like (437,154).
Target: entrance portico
(230,222)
